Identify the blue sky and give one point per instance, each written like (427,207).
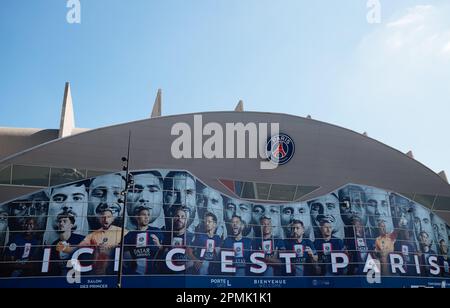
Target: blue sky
(301,57)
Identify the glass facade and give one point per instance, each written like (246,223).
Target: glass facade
(5,175)
(173,221)
(41,176)
(30,175)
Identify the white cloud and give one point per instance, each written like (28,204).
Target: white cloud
(399,82)
(415,15)
(446,48)
(423,32)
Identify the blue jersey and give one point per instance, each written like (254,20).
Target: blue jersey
(359,249)
(179,241)
(23,250)
(206,249)
(324,249)
(425,265)
(444,263)
(242,250)
(303,263)
(143,250)
(58,259)
(407,250)
(182,240)
(269,247)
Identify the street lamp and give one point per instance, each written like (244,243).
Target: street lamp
(128,183)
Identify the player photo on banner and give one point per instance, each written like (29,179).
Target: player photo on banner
(4,228)
(105,196)
(176,224)
(326,207)
(67,200)
(26,223)
(146,193)
(296,211)
(211,201)
(180,191)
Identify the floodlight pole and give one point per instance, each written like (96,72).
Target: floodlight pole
(124,194)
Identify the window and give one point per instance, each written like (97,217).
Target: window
(425,200)
(65,175)
(30,175)
(94,173)
(281,192)
(408,195)
(248,191)
(5,175)
(304,190)
(442,204)
(267,191)
(263,191)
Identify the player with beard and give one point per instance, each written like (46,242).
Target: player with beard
(305,263)
(143,246)
(180,238)
(104,241)
(240,245)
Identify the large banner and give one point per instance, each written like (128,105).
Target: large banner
(180,232)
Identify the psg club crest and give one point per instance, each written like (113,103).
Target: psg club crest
(280,149)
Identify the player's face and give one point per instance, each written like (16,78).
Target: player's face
(440,229)
(183,193)
(378,208)
(210,224)
(3,220)
(401,210)
(422,221)
(327,206)
(68,199)
(297,231)
(106,219)
(64,225)
(354,209)
(266,227)
(143,218)
(236,226)
(424,239)
(382,227)
(326,229)
(20,208)
(241,209)
(3,225)
(443,247)
(28,226)
(105,194)
(146,192)
(270,211)
(179,221)
(295,211)
(211,201)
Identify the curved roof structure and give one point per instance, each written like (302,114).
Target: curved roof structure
(326,155)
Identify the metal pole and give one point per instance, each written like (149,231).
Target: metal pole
(119,274)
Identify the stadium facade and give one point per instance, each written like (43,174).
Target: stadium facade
(337,208)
